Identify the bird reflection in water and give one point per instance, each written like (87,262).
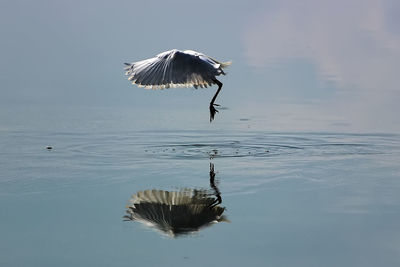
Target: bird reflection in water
(178,213)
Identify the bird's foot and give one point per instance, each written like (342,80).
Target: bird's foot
(213,111)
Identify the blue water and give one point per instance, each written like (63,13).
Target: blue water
(289,198)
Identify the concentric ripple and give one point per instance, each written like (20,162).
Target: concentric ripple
(258,145)
(136,146)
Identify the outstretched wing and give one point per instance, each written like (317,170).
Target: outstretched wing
(175,68)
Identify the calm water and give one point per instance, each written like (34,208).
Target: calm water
(299,168)
(288,199)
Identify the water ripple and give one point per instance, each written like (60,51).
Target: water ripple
(258,145)
(134,146)
(220,149)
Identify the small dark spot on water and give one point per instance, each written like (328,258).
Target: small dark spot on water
(49,147)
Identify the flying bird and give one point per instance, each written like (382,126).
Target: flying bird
(178,213)
(177,68)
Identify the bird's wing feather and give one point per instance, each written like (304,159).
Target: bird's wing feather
(174,69)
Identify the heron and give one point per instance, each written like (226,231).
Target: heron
(178,213)
(175,68)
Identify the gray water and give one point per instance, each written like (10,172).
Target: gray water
(299,168)
(289,198)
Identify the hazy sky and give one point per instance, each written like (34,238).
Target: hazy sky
(316,65)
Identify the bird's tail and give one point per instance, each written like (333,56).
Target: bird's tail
(222,64)
(225,64)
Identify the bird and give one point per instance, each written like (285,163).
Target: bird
(175,213)
(176,68)
(178,213)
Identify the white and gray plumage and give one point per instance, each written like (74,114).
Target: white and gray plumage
(175,213)
(178,213)
(177,68)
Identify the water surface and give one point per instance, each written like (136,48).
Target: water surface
(303,199)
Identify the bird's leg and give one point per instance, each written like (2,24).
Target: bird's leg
(212,108)
(217,193)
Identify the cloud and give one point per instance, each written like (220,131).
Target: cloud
(353,43)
